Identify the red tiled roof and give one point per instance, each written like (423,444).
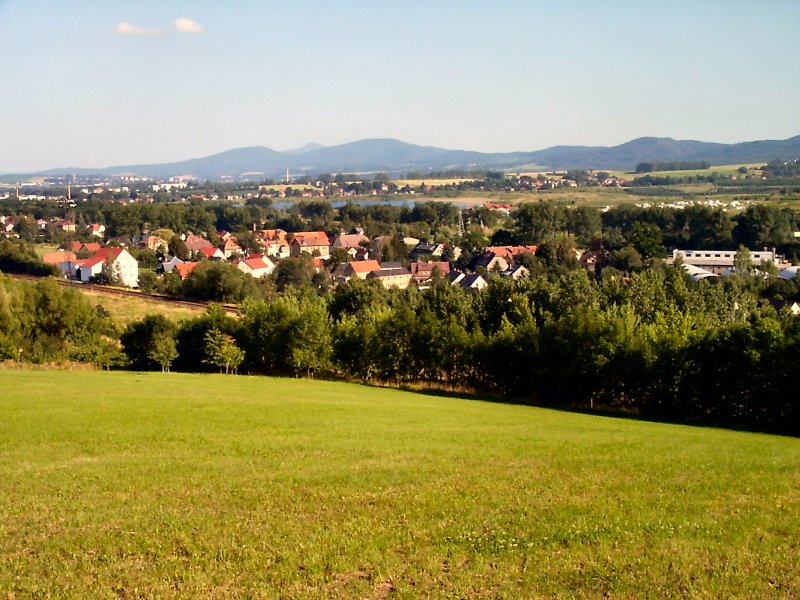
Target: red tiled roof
(312,238)
(351,240)
(53,258)
(209,252)
(506,251)
(184,269)
(195,243)
(110,254)
(256,263)
(365,266)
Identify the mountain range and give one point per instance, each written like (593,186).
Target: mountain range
(397,158)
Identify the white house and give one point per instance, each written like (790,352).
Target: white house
(121,266)
(257,267)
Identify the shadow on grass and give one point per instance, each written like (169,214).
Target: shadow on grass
(598,411)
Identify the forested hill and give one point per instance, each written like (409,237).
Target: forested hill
(397,157)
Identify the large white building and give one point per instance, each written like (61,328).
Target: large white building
(720,261)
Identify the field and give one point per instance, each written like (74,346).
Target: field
(129,308)
(725,170)
(153,485)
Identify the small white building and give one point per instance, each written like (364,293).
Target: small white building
(257,267)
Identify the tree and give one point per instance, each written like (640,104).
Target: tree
(743,262)
(163,352)
(626,259)
(144,342)
(338,255)
(294,272)
(222,351)
(178,248)
(219,281)
(647,238)
(763,225)
(538,221)
(148,281)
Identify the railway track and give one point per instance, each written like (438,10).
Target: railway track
(105,289)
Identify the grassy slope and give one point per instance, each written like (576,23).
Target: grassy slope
(129,308)
(120,484)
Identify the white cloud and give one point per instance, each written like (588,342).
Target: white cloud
(184,25)
(125,28)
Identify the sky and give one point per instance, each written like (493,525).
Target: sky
(101,83)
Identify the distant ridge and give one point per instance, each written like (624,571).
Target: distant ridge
(307,148)
(397,157)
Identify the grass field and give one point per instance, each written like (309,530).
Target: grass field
(129,308)
(431,181)
(727,170)
(151,485)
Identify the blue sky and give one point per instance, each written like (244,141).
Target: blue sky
(105,82)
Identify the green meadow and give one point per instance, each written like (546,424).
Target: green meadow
(158,485)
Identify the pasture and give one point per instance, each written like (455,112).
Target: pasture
(176,485)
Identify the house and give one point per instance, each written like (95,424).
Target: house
(87,247)
(195,243)
(60,256)
(510,251)
(503,208)
(257,267)
(392,274)
(350,241)
(361,268)
(122,267)
(183,269)
(65,225)
(229,247)
(423,272)
(97,230)
(426,249)
(516,272)
(590,259)
(87,268)
(211,253)
(310,242)
(491,262)
(361,254)
(471,282)
(788,305)
(169,263)
(274,243)
(155,243)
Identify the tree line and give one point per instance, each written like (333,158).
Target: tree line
(651,344)
(674,165)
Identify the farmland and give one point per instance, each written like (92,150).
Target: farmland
(151,485)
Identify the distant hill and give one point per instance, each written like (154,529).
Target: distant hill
(307,148)
(628,155)
(396,157)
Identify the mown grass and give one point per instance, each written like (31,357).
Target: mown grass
(152,485)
